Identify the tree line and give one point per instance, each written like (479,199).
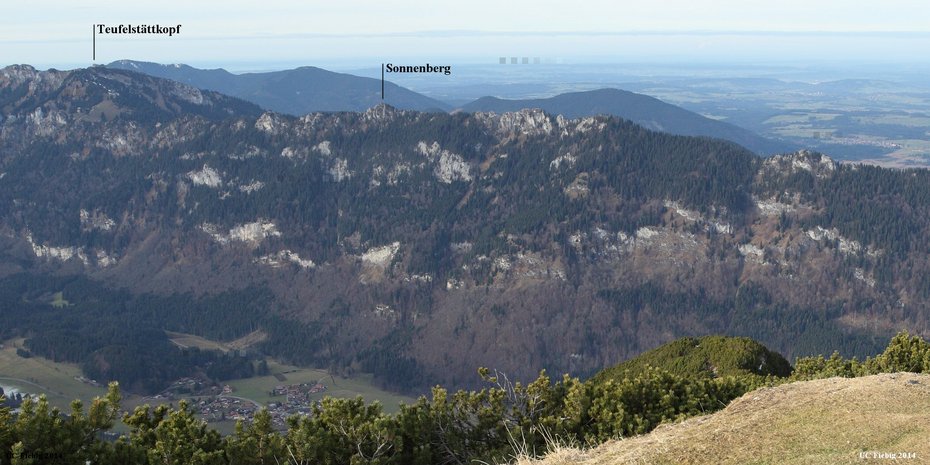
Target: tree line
(490,425)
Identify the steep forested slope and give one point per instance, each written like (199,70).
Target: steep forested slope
(420,246)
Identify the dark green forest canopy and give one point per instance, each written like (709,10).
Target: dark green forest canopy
(705,357)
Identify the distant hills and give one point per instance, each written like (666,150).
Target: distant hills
(296,91)
(309,89)
(641,109)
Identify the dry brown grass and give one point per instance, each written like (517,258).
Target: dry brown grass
(826,421)
(248,340)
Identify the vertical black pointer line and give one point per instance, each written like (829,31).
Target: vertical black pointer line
(382,82)
(94,30)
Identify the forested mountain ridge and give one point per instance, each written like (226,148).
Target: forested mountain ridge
(419,246)
(310,89)
(298,91)
(641,109)
(99,95)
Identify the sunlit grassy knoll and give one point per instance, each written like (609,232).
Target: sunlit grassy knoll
(824,421)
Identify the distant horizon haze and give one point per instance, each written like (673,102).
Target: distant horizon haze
(239,36)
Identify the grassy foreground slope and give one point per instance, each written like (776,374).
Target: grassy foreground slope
(830,421)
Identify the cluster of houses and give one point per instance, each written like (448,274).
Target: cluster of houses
(207,399)
(298,393)
(297,401)
(222,408)
(189,387)
(217,403)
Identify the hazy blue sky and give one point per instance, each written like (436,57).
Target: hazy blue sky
(352,33)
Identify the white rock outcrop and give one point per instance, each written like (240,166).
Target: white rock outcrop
(250,233)
(206,176)
(285,257)
(381,256)
(449,166)
(96,220)
(62,254)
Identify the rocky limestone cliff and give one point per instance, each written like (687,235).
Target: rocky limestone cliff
(517,240)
